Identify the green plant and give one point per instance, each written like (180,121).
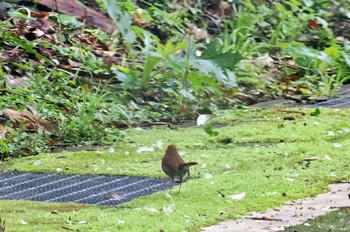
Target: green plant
(12,39)
(121,19)
(238,35)
(83,124)
(329,68)
(4,149)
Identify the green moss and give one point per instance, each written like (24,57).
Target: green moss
(334,221)
(257,152)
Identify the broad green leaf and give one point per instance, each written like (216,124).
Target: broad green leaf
(332,52)
(200,82)
(187,94)
(209,67)
(121,19)
(224,60)
(346,58)
(316,112)
(149,65)
(210,131)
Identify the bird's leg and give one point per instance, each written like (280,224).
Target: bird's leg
(172,184)
(180,186)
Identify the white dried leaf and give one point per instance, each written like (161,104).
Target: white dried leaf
(327,157)
(168,195)
(188,218)
(38,162)
(198,53)
(238,196)
(264,60)
(331,133)
(116,197)
(208,176)
(111,150)
(337,145)
(59,169)
(120,221)
(290,179)
(202,119)
(95,167)
(151,210)
(168,209)
(204,166)
(82,222)
(145,149)
(23,222)
(159,144)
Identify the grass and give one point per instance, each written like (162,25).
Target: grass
(335,221)
(257,152)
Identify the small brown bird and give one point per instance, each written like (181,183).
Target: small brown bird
(174,166)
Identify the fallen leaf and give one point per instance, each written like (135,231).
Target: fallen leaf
(23,222)
(151,210)
(208,176)
(116,197)
(337,145)
(202,119)
(238,196)
(168,209)
(145,149)
(38,162)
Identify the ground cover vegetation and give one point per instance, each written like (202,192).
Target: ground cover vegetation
(334,221)
(65,83)
(241,169)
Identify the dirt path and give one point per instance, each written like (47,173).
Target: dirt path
(293,213)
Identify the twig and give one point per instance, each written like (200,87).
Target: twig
(264,218)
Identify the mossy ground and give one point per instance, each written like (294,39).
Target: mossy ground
(258,151)
(334,221)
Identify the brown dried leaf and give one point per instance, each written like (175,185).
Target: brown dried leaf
(3,131)
(29,121)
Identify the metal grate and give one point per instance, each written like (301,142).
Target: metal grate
(341,101)
(85,189)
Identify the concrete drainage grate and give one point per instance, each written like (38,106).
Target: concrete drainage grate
(339,102)
(84,189)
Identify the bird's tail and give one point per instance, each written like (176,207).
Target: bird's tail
(189,164)
(186,166)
